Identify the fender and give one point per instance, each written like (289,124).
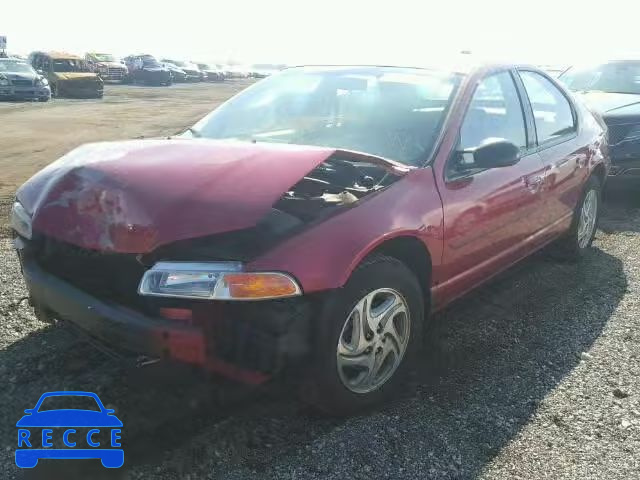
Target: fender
(409,207)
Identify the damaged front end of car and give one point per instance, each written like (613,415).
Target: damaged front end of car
(100,249)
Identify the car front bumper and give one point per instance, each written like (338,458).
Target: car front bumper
(248,342)
(71,90)
(24,93)
(114,76)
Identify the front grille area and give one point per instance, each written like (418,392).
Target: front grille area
(111,277)
(22,83)
(115,72)
(618,132)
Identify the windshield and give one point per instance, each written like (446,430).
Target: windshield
(395,113)
(176,62)
(67,65)
(14,66)
(149,61)
(613,77)
(105,57)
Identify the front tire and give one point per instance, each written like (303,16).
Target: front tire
(575,244)
(366,338)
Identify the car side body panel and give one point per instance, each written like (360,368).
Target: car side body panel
(562,184)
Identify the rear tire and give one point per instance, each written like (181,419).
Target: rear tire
(575,244)
(358,364)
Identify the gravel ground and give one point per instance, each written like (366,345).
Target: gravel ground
(536,375)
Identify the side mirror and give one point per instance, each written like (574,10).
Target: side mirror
(495,153)
(29,411)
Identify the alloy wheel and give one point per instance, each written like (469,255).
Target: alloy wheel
(588,216)
(373,340)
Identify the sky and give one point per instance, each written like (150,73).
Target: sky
(328,31)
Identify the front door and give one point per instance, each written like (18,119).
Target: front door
(491,214)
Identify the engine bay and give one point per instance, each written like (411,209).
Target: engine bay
(338,181)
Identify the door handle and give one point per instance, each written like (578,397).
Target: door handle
(534,183)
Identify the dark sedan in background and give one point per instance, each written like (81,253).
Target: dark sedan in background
(190,69)
(612,89)
(146,69)
(177,74)
(211,72)
(19,81)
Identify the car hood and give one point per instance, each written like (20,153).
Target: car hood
(21,75)
(74,75)
(69,418)
(612,103)
(110,64)
(134,196)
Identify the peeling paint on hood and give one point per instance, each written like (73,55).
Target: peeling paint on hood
(133,196)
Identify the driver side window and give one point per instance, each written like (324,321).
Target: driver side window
(495,112)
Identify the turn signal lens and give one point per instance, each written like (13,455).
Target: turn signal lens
(259,285)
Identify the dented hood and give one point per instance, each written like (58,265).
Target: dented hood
(134,196)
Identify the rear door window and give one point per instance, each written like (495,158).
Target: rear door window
(552,111)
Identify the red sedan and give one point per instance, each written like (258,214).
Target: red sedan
(314,221)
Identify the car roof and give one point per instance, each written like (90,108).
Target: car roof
(462,68)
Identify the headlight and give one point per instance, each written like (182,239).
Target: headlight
(215,281)
(4,82)
(42,81)
(21,220)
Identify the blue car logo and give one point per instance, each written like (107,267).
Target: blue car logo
(69,433)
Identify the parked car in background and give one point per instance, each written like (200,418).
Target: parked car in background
(553,70)
(19,81)
(238,71)
(265,69)
(68,75)
(228,71)
(107,66)
(211,72)
(146,69)
(177,74)
(212,248)
(191,69)
(612,89)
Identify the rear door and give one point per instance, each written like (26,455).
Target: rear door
(490,215)
(556,127)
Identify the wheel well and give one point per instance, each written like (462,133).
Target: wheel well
(599,173)
(414,254)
